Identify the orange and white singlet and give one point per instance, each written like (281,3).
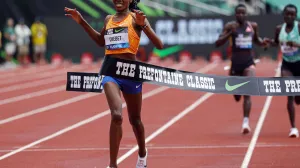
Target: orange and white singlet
(120,37)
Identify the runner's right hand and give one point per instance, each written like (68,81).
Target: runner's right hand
(74,14)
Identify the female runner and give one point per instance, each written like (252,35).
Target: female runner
(127,24)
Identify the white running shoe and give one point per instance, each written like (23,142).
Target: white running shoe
(294,133)
(142,162)
(246,128)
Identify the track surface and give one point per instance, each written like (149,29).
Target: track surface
(42,125)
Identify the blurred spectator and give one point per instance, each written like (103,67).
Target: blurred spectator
(23,40)
(9,43)
(1,60)
(0,39)
(39,39)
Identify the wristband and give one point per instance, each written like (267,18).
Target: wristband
(143,27)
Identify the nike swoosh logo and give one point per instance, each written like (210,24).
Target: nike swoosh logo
(167,51)
(233,87)
(117,31)
(138,86)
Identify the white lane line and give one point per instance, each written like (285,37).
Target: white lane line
(32,95)
(168,124)
(47,108)
(42,75)
(28,71)
(154,147)
(93,118)
(36,83)
(259,125)
(79,124)
(32,84)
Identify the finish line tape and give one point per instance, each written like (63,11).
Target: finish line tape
(143,72)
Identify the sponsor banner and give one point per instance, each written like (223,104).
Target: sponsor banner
(186,31)
(143,72)
(179,34)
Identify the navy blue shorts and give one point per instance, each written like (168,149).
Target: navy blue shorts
(126,86)
(292,67)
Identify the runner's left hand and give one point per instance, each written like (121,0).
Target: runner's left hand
(140,18)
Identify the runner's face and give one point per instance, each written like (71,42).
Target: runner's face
(290,15)
(240,14)
(121,5)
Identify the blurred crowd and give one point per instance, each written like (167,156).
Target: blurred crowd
(21,44)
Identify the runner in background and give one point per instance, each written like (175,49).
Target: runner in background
(242,33)
(287,36)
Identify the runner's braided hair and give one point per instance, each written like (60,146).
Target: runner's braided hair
(133,5)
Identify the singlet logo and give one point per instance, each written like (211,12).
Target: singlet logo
(118,30)
(248,29)
(109,31)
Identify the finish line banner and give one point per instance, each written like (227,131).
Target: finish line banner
(143,72)
(84,82)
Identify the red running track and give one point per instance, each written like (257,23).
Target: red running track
(39,131)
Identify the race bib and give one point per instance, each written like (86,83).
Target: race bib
(116,38)
(289,51)
(244,42)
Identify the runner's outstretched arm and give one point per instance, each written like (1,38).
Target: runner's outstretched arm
(96,36)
